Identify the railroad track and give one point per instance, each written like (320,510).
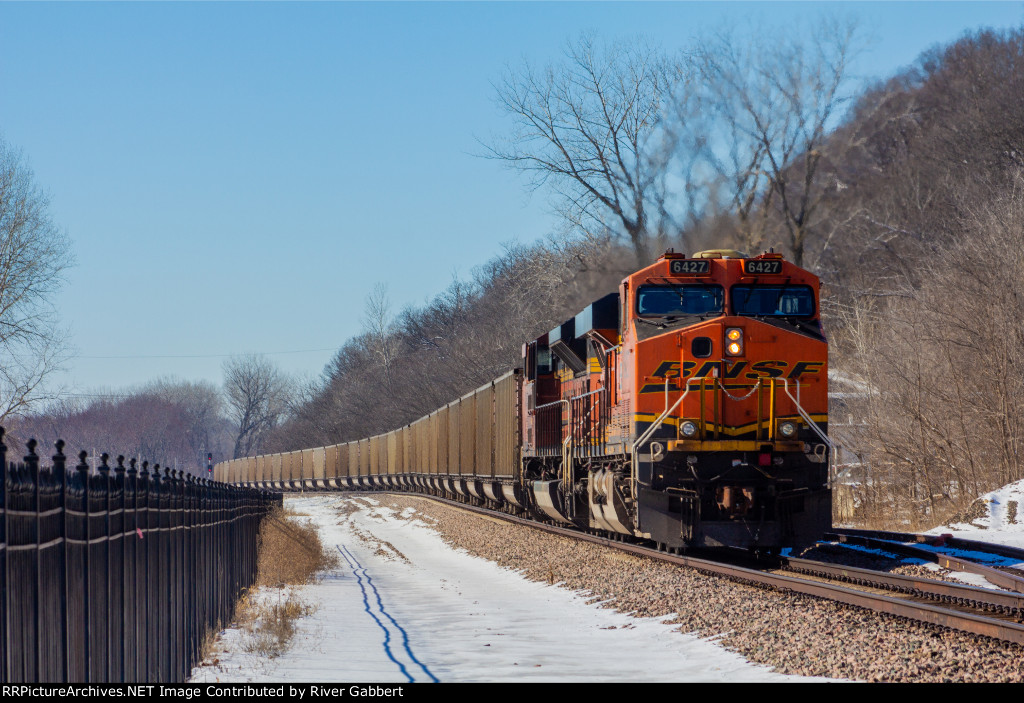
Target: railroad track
(982,600)
(936,540)
(977,611)
(929,548)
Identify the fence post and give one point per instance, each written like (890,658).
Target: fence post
(191,634)
(137,574)
(178,582)
(104,471)
(163,653)
(5,674)
(61,481)
(32,469)
(120,570)
(148,554)
(83,473)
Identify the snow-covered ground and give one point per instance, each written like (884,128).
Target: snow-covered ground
(404,606)
(1002,521)
(998,522)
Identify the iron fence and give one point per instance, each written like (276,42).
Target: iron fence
(117,575)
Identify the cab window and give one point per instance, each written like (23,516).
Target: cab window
(772,301)
(666,301)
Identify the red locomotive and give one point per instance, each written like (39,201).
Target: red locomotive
(689,408)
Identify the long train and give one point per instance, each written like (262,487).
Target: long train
(689,408)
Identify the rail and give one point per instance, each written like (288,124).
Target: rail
(833,457)
(634,458)
(549,426)
(1005,630)
(1001,578)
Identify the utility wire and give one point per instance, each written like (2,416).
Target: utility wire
(204,356)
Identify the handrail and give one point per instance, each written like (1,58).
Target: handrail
(566,445)
(568,436)
(634,459)
(833,447)
(584,395)
(807,418)
(567,442)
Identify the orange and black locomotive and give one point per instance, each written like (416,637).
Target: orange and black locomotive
(689,408)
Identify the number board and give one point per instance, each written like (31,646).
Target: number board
(757,267)
(689,266)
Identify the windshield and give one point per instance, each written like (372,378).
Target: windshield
(775,301)
(680,300)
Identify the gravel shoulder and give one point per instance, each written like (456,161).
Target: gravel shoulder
(792,633)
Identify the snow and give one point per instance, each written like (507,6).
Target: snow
(404,606)
(999,525)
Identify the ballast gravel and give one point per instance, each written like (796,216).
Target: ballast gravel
(792,633)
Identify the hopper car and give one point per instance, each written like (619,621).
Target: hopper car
(688,408)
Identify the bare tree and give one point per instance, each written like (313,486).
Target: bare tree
(772,99)
(942,411)
(202,403)
(377,326)
(34,252)
(257,393)
(589,128)
(136,423)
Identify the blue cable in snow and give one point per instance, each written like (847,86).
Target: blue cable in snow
(405,635)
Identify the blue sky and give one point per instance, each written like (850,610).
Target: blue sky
(236,177)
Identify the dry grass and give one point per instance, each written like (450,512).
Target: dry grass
(208,649)
(290,555)
(290,552)
(269,620)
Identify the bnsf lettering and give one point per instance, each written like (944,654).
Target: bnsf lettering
(802,367)
(670,369)
(709,368)
(667,369)
(734,370)
(772,369)
(759,369)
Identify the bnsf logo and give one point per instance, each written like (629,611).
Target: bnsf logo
(772,369)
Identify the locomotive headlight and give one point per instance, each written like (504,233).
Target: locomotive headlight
(688,429)
(734,341)
(787,429)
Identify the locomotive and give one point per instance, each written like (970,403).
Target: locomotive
(688,408)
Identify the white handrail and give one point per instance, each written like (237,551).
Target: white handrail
(833,447)
(634,458)
(807,418)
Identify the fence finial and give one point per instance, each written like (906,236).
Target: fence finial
(104,468)
(120,464)
(131,466)
(145,469)
(32,459)
(82,466)
(58,459)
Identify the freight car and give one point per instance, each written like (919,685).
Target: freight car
(689,408)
